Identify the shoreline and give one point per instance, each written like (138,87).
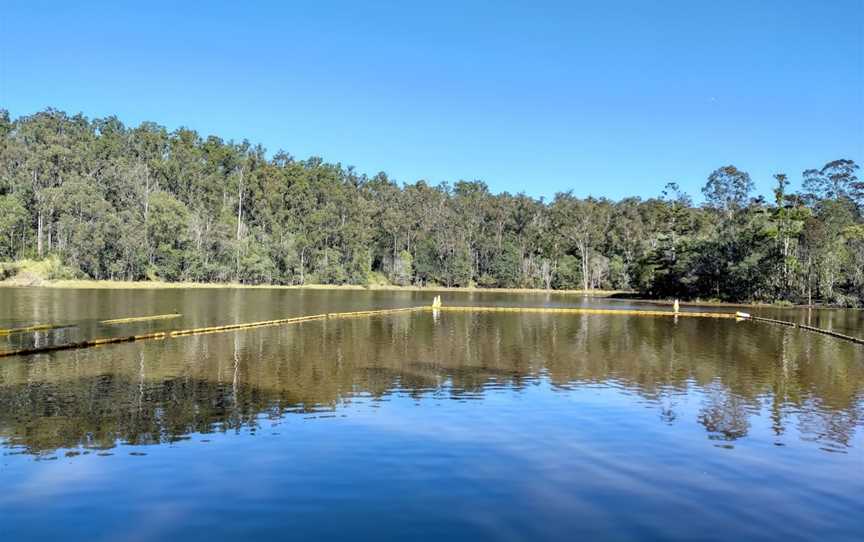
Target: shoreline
(159,285)
(155,285)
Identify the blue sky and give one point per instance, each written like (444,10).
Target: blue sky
(607,98)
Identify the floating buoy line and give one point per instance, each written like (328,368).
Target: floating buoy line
(160,335)
(34,327)
(436,307)
(141,319)
(562,310)
(807,328)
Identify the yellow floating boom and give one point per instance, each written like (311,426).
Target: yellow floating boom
(34,327)
(198,331)
(623,312)
(141,319)
(675,314)
(828,332)
(436,307)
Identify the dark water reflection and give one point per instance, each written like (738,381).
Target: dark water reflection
(501,426)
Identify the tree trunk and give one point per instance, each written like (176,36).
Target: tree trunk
(39,229)
(239,222)
(240,205)
(583,251)
(147,210)
(302,267)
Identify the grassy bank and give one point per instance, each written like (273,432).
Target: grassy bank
(133,285)
(85,284)
(35,272)
(50,273)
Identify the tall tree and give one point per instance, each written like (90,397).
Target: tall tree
(111,201)
(728,190)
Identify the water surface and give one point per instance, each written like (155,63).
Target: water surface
(500,426)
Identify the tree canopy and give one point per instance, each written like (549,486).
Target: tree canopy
(135,203)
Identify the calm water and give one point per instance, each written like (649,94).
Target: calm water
(462,426)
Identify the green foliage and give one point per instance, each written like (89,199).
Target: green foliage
(255,265)
(403,271)
(619,278)
(376,278)
(504,269)
(837,180)
(569,273)
(35,271)
(167,236)
(13,219)
(728,189)
(329,268)
(141,202)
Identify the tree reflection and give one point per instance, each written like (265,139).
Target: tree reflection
(157,392)
(724,415)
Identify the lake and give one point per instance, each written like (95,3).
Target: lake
(456,426)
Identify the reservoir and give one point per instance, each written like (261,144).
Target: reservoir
(453,425)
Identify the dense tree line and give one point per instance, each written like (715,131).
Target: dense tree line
(116,202)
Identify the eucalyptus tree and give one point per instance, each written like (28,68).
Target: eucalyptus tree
(836,180)
(581,223)
(13,220)
(728,190)
(789,217)
(140,202)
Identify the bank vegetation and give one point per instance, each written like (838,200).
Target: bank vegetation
(95,199)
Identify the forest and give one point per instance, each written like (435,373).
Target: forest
(115,202)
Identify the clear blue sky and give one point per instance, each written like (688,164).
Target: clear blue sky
(608,98)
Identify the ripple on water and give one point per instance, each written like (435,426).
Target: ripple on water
(477,425)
